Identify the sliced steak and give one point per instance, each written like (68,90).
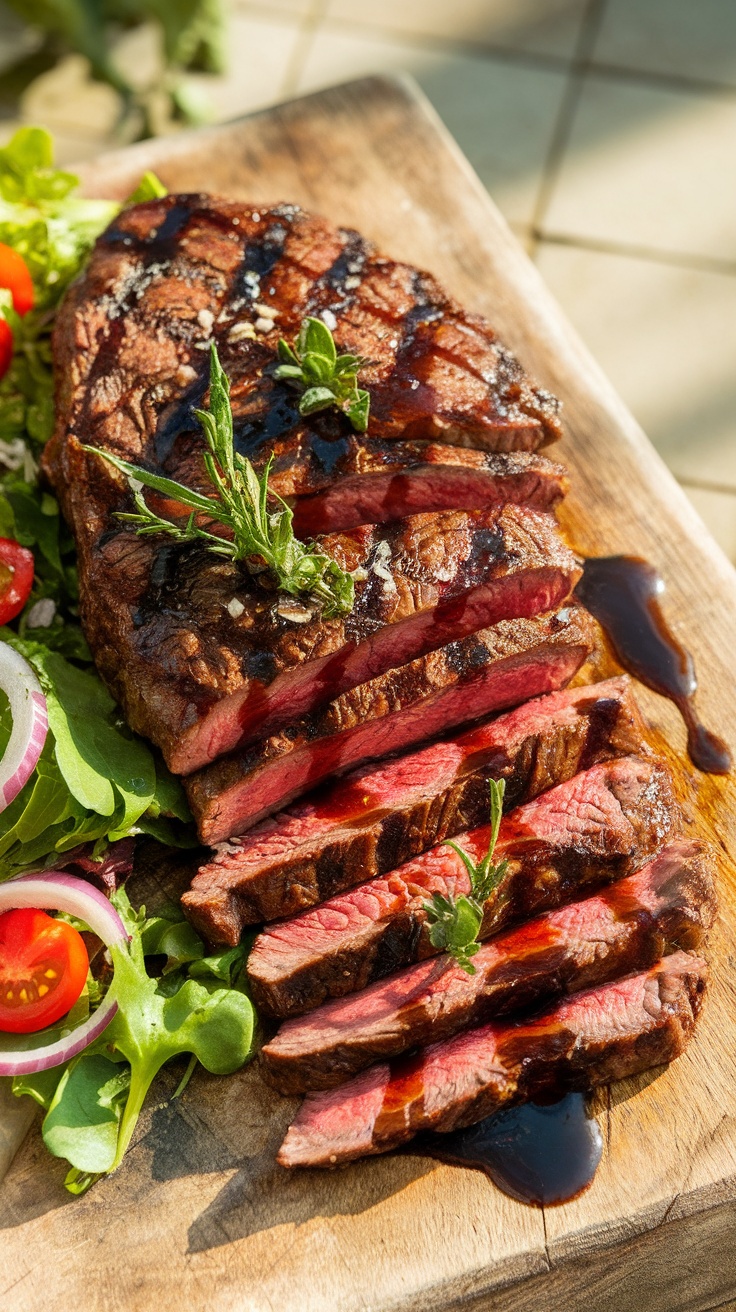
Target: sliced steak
(592,829)
(164,280)
(422,582)
(669,903)
(489,671)
(380,481)
(377,818)
(607,1033)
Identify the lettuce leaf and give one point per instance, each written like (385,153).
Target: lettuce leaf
(199,1007)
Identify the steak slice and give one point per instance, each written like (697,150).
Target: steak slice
(489,671)
(606,1033)
(669,903)
(377,818)
(592,829)
(379,481)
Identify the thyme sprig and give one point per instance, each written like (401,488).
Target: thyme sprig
(455,922)
(326,378)
(261,537)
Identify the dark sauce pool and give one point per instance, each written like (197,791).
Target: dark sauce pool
(538,1154)
(622,593)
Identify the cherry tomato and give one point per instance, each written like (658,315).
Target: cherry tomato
(43,969)
(6,347)
(15,275)
(16,578)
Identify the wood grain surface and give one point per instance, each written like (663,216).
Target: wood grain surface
(199,1216)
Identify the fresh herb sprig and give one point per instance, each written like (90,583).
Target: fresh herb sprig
(326,378)
(260,536)
(455,922)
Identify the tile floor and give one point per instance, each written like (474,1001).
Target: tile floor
(604,129)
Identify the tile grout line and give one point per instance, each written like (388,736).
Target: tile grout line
(530,58)
(630,250)
(705,485)
(587,37)
(308,27)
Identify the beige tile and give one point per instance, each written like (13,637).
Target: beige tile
(294,8)
(666,337)
(547,27)
(502,115)
(652,167)
(675,37)
(259,52)
(718,512)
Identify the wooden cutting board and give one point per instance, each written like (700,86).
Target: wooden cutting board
(199,1216)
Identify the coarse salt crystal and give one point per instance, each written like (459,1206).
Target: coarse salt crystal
(329,319)
(263,325)
(256,216)
(206,319)
(235,608)
(240,331)
(351,283)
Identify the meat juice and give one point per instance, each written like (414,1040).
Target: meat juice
(539,1154)
(622,593)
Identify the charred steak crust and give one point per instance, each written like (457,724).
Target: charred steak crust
(594,828)
(669,903)
(606,1033)
(489,671)
(377,818)
(169,275)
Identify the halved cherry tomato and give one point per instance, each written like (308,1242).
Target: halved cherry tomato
(6,346)
(43,969)
(15,275)
(16,578)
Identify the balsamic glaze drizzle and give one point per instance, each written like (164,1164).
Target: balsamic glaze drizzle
(537,1154)
(622,593)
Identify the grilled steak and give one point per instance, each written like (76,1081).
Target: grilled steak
(168,276)
(210,678)
(377,818)
(628,926)
(493,669)
(594,828)
(379,481)
(603,1034)
(165,279)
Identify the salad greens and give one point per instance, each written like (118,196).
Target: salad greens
(241,505)
(455,922)
(53,229)
(95,781)
(198,1006)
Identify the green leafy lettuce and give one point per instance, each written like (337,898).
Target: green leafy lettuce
(197,1007)
(95,781)
(53,229)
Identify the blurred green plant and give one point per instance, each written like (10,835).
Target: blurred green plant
(192,39)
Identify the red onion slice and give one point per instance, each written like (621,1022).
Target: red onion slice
(30,723)
(53,891)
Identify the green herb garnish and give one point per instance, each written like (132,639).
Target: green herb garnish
(326,378)
(259,536)
(456,921)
